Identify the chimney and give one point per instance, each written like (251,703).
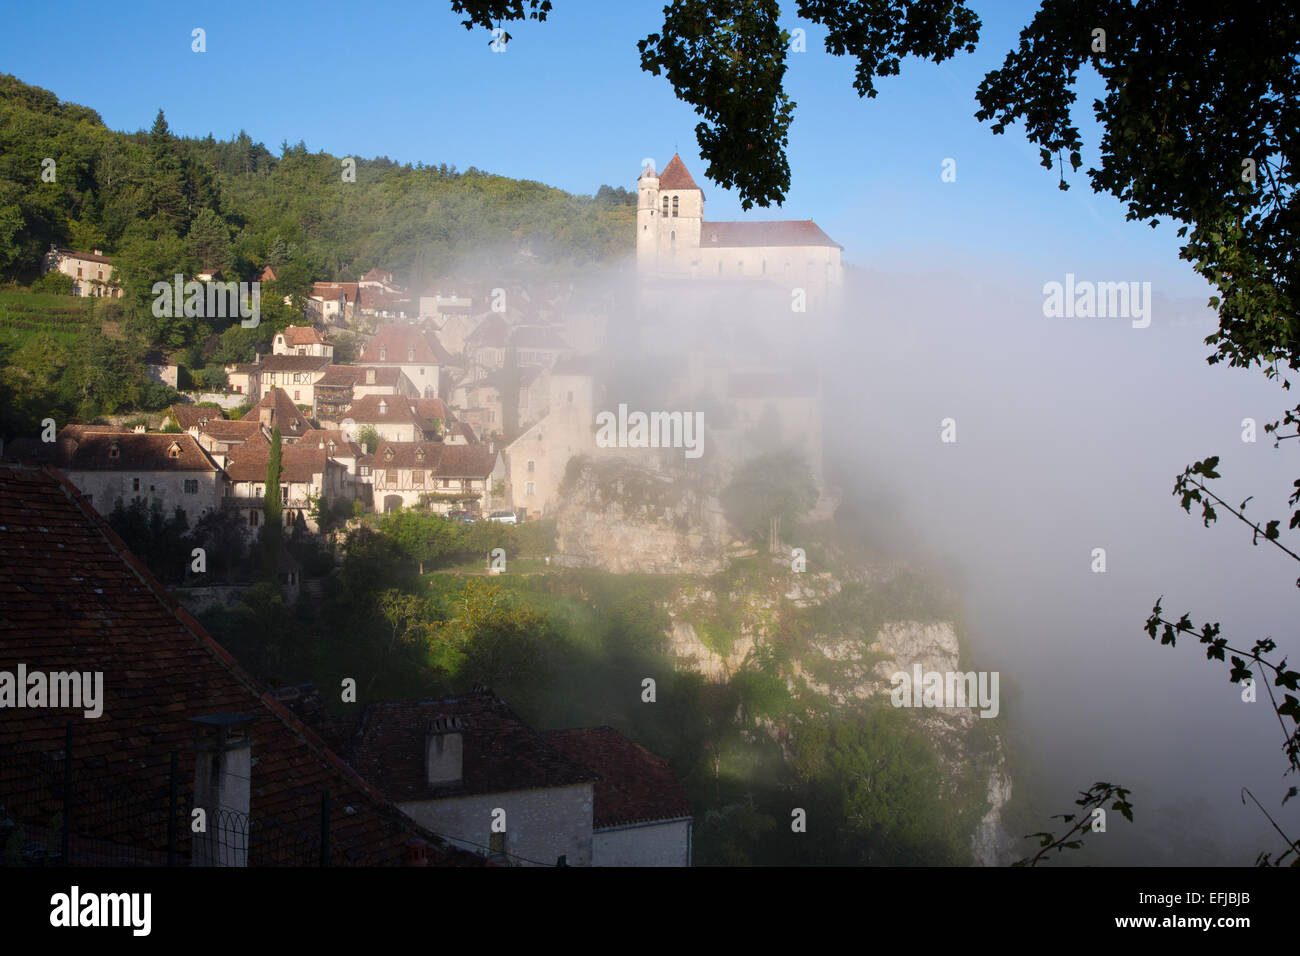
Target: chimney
(264,416)
(223,768)
(98,252)
(443,751)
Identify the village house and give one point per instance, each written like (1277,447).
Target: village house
(536,461)
(296,374)
(341,385)
(335,303)
(219,435)
(482,398)
(459,765)
(76,600)
(158,368)
(538,345)
(276,410)
(457,328)
(306,472)
(485,347)
(418,355)
(435,474)
(91,272)
(301,340)
(111,467)
(394,418)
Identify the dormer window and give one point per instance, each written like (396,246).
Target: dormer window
(388,454)
(174,451)
(419,454)
(383,354)
(410,355)
(383,408)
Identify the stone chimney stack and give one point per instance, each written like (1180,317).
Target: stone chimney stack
(223,768)
(443,751)
(264,416)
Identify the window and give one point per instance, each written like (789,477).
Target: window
(417,477)
(674,207)
(296,395)
(665,213)
(672,236)
(135,484)
(79,267)
(529,489)
(365,470)
(284,494)
(383,354)
(252,518)
(410,357)
(719,268)
(191,486)
(531,466)
(114,451)
(90,499)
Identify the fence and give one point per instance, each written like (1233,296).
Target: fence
(57,809)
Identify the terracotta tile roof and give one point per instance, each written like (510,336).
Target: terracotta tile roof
(430,408)
(88,256)
(284,414)
(675,175)
(75,599)
(86,448)
(445,461)
(268,274)
(381,300)
(635,785)
(398,343)
(348,375)
(378,275)
(490,333)
(321,437)
(501,752)
(333,290)
(291,363)
(191,416)
(398,410)
(298,463)
(788,232)
(225,430)
(302,335)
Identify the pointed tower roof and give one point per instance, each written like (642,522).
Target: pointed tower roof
(675,175)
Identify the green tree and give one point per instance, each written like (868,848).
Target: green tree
(273,511)
(368,438)
(768,491)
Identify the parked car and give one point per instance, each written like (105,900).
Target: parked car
(505,517)
(464,517)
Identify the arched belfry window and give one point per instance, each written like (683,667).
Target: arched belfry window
(674,207)
(665,205)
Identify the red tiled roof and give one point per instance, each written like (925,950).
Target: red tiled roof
(290,363)
(398,410)
(88,256)
(430,408)
(490,333)
(347,375)
(635,785)
(501,752)
(189,416)
(75,599)
(298,463)
(225,430)
(82,448)
(400,341)
(302,335)
(445,461)
(537,337)
(332,290)
(675,175)
(786,232)
(284,413)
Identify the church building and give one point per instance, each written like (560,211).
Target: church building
(674,240)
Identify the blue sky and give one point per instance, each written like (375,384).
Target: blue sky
(568,104)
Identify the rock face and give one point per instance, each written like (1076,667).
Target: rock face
(619,517)
(627,519)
